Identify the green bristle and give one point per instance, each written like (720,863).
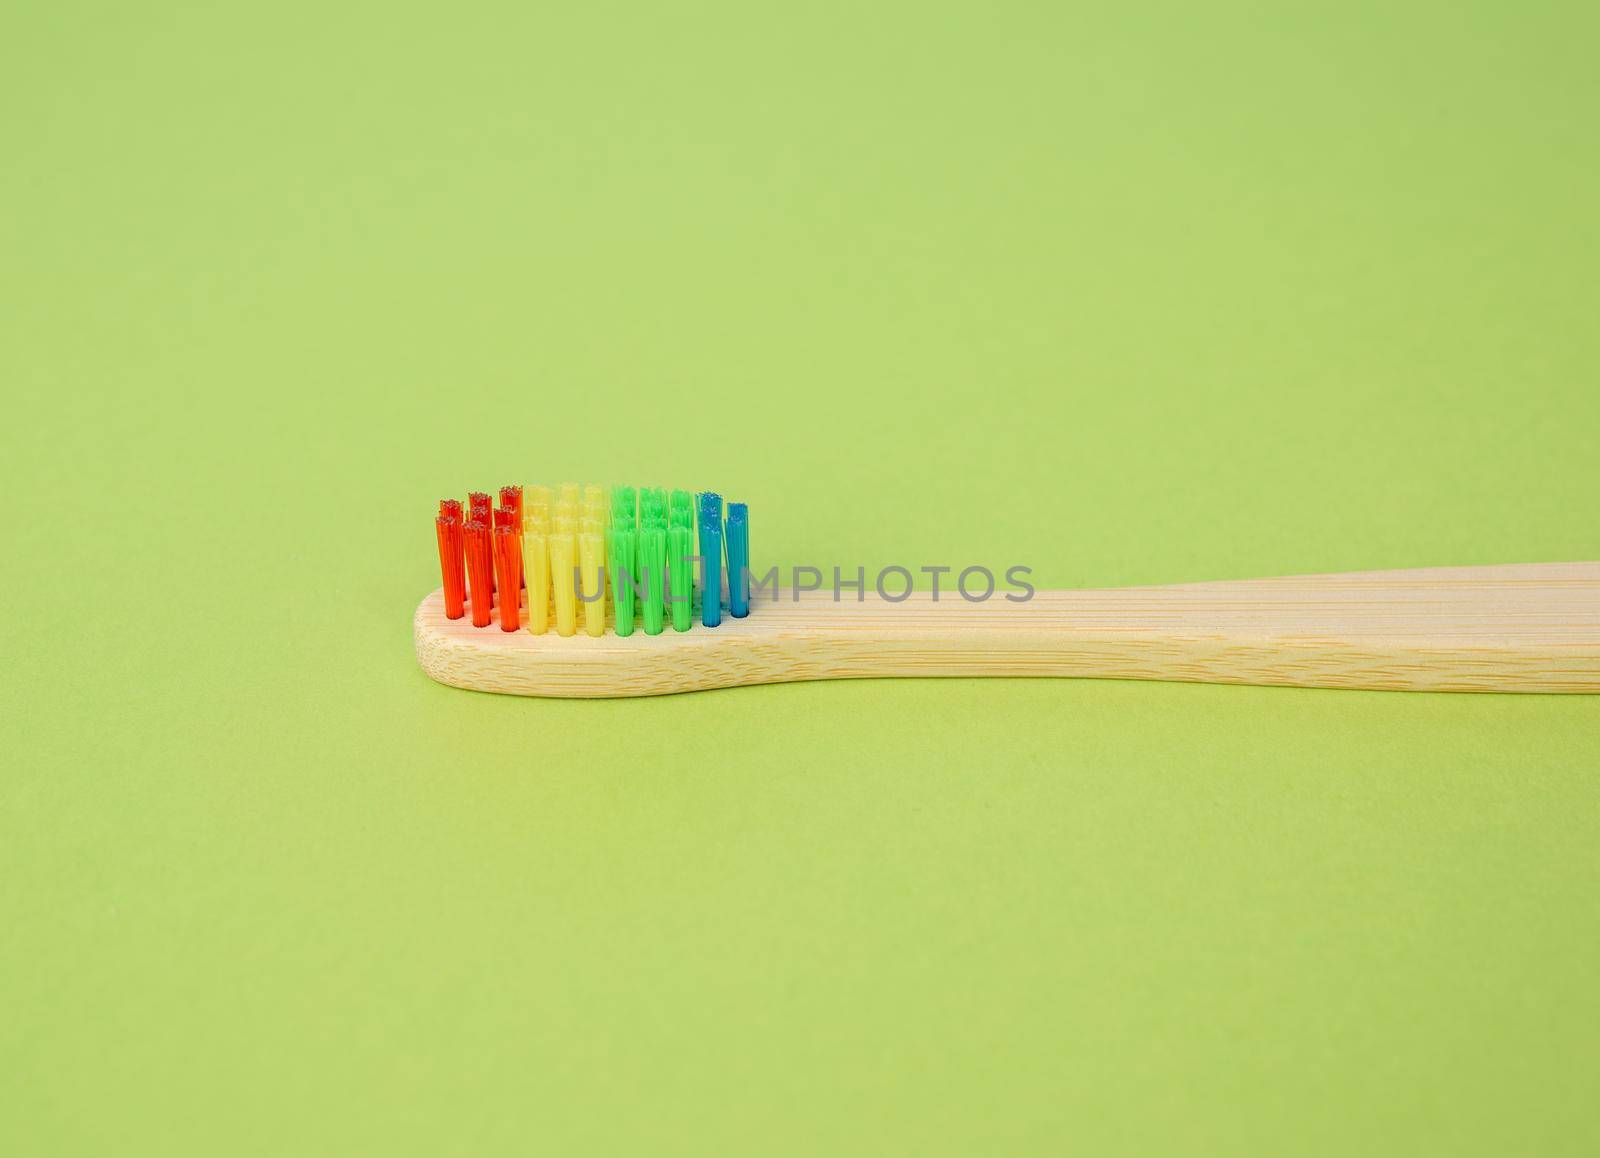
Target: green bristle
(652,507)
(624,506)
(622,552)
(679,575)
(682,510)
(653,558)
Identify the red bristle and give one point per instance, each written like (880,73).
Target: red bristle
(450,564)
(508,573)
(511,500)
(505,518)
(480,508)
(452,509)
(480,568)
(518,566)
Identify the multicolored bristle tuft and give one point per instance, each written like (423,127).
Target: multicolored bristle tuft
(590,556)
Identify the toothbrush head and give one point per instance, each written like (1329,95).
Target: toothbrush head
(593,557)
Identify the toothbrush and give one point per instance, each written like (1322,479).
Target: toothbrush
(1531,627)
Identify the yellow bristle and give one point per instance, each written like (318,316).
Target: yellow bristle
(536,507)
(592,556)
(564,510)
(563,593)
(536,567)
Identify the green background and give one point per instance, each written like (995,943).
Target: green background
(1130,293)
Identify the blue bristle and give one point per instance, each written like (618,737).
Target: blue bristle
(737,533)
(711,558)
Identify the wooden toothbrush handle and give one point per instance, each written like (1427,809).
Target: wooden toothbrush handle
(1522,628)
(1519,628)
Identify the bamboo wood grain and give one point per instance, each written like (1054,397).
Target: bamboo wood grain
(1519,628)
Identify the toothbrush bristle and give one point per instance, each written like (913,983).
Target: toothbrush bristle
(480,509)
(479,569)
(736,532)
(589,554)
(536,507)
(652,507)
(536,568)
(508,571)
(563,590)
(681,510)
(653,561)
(451,564)
(511,500)
(591,563)
(680,580)
(624,506)
(711,557)
(622,544)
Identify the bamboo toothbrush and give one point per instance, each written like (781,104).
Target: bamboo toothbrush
(587,559)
